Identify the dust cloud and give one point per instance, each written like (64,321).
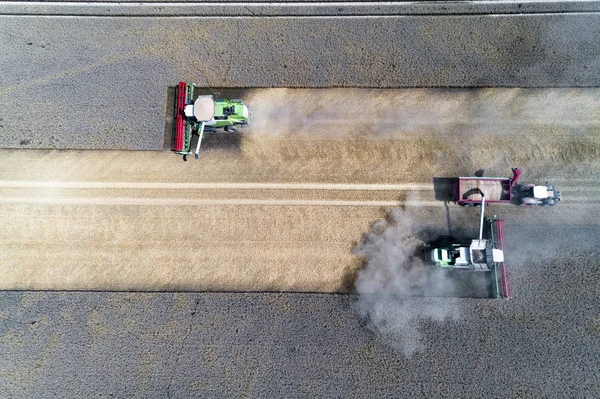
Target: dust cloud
(394,271)
(343,112)
(414,134)
(350,111)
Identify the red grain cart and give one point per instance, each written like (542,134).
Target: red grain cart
(503,190)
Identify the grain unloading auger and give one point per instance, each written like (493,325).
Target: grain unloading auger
(203,114)
(483,254)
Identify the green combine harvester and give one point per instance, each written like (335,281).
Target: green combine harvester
(203,114)
(482,255)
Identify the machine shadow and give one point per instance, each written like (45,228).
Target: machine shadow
(445,188)
(219,142)
(170,110)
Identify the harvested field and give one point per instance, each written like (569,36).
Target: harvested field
(113,221)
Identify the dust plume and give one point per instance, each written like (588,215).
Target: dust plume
(397,112)
(394,271)
(423,132)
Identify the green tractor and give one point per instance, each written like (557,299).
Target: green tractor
(204,114)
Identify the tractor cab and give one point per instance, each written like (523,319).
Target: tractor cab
(539,195)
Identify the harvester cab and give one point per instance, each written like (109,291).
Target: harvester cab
(479,256)
(203,114)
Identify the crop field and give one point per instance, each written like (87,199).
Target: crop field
(284,261)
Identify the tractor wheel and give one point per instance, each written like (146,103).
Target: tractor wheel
(230,129)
